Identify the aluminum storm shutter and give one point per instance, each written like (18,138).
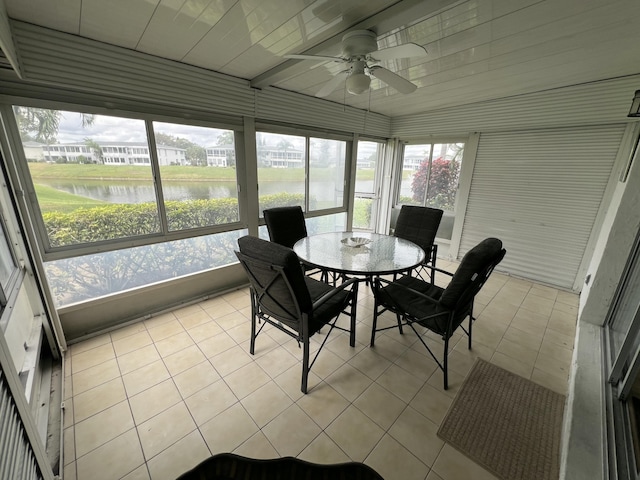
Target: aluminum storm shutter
(17,460)
(540,192)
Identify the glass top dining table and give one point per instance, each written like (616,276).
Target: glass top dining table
(359,253)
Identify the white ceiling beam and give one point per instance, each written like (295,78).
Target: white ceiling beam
(401,14)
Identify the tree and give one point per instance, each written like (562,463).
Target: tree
(284,145)
(196,155)
(95,148)
(442,183)
(37,124)
(41,124)
(226,138)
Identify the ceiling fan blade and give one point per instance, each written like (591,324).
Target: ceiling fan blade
(332,84)
(316,58)
(393,79)
(401,51)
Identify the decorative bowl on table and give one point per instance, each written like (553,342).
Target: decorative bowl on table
(355,242)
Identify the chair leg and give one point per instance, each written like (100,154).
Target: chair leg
(470,323)
(399,323)
(375,323)
(445,363)
(252,346)
(305,364)
(352,329)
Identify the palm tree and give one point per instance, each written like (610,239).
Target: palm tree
(41,124)
(95,148)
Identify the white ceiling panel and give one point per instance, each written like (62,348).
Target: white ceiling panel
(184,22)
(477,49)
(119,22)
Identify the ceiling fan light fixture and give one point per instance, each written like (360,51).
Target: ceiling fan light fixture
(358,83)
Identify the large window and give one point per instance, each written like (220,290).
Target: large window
(197,170)
(103,181)
(300,170)
(326,173)
(90,184)
(429,177)
(282,170)
(86,277)
(369,163)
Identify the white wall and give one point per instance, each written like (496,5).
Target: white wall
(584,436)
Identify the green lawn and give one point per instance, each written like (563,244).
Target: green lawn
(52,200)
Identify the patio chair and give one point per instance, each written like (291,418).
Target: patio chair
(439,310)
(419,225)
(282,296)
(229,466)
(286,225)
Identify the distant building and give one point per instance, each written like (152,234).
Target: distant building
(33,151)
(275,157)
(412,162)
(219,155)
(112,153)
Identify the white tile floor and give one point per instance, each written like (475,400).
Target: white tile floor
(151,400)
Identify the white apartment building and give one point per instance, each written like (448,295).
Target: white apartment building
(219,155)
(120,153)
(279,158)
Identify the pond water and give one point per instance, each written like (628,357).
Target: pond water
(139,192)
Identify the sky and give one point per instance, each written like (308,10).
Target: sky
(107,128)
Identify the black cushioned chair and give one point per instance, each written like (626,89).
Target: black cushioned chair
(286,225)
(420,225)
(440,310)
(282,296)
(229,466)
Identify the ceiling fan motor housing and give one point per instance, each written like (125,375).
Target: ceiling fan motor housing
(359,43)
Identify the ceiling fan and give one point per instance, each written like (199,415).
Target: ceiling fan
(360,53)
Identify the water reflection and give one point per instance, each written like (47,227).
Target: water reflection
(141,192)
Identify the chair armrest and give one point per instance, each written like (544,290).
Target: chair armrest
(420,294)
(334,292)
(443,271)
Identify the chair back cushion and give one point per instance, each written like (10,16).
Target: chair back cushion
(286,225)
(473,271)
(276,278)
(418,225)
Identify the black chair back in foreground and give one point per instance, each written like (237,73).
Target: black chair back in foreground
(420,225)
(229,466)
(440,310)
(282,296)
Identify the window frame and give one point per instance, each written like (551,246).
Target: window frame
(423,141)
(13,279)
(376,195)
(50,253)
(322,135)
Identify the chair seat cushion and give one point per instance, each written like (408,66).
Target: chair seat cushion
(328,310)
(400,296)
